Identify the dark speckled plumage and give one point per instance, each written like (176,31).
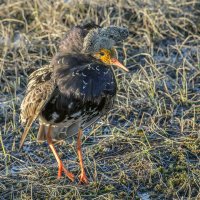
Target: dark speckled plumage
(85,91)
(73,92)
(73,42)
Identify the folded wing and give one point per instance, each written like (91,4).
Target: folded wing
(39,90)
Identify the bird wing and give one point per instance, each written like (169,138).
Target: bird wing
(40,88)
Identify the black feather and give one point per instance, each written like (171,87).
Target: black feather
(83,86)
(73,41)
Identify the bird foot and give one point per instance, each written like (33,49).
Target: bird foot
(83,178)
(61,169)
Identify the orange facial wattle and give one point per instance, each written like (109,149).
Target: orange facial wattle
(108,57)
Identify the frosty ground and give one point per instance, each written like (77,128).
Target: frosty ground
(147,147)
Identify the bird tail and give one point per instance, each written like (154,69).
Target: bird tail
(26,130)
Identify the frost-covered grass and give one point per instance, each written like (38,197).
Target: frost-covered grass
(148,145)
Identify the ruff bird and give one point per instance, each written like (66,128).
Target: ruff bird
(75,90)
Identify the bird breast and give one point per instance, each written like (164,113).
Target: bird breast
(83,93)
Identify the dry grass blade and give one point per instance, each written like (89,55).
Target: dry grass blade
(148,145)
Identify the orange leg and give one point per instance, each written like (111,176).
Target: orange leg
(60,163)
(83,177)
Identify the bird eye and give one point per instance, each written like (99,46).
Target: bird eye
(101,53)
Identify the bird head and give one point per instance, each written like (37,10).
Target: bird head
(100,42)
(109,57)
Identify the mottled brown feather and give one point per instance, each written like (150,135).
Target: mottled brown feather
(39,90)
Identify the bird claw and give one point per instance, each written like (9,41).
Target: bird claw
(67,173)
(83,178)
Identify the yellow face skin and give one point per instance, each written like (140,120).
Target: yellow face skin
(105,55)
(109,57)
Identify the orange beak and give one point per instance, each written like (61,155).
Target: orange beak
(116,63)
